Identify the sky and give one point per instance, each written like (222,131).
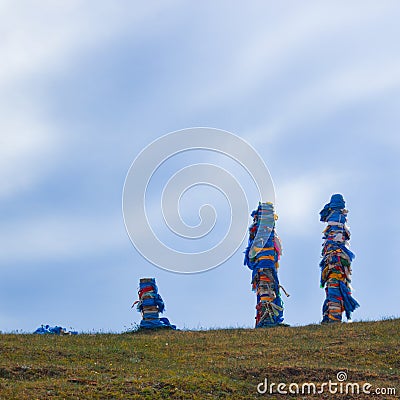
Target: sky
(313,86)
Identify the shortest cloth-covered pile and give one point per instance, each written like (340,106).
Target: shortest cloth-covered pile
(150,304)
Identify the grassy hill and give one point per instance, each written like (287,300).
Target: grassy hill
(226,363)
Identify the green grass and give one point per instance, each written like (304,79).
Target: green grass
(198,364)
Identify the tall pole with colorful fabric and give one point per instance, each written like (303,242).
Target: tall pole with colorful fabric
(336,262)
(262,257)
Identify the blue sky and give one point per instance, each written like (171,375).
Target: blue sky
(85,86)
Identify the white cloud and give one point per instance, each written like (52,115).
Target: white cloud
(298,199)
(27,148)
(39,41)
(267,49)
(54,237)
(337,89)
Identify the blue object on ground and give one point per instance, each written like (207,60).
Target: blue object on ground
(53,330)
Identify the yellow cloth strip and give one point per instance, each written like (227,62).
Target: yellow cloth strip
(262,248)
(266,258)
(338,276)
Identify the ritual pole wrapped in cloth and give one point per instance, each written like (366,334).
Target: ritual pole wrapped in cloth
(336,262)
(262,257)
(150,304)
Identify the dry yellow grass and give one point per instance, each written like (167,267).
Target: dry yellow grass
(225,363)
